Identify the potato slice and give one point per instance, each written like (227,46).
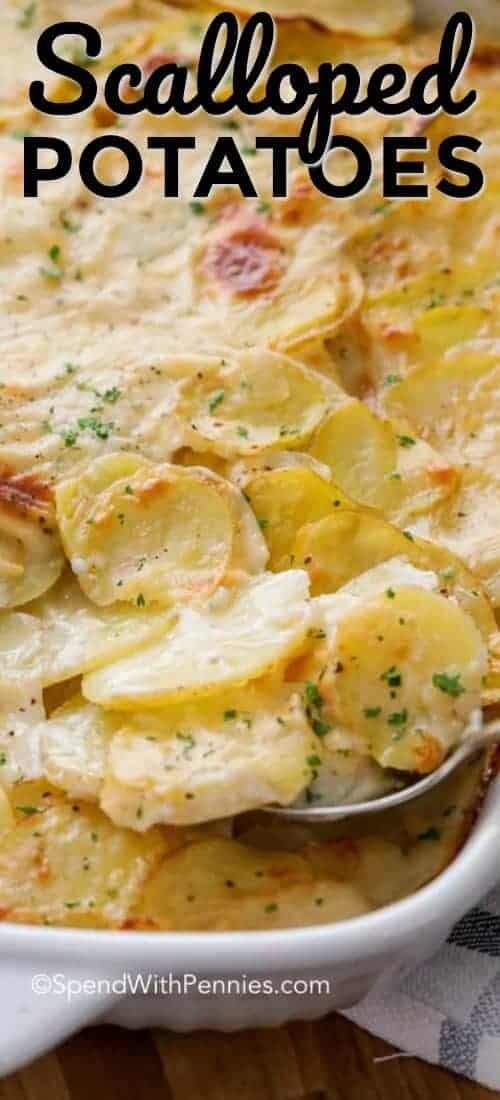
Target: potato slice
(135,531)
(408,676)
(222,884)
(249,553)
(468,523)
(284,499)
(192,763)
(262,285)
(454,404)
(74,746)
(65,863)
(380,463)
(21,707)
(362,20)
(260,400)
(339,548)
(237,638)
(31,557)
(6,814)
(78,636)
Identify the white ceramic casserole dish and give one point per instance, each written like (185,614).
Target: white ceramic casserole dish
(351,955)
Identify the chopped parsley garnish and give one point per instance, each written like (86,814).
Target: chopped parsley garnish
(408,535)
(100,429)
(372,712)
(398,718)
(314,761)
(188,739)
(230,715)
(29,811)
(271,908)
(449,684)
(406,441)
(313,695)
(392,677)
(140,601)
(390,593)
(69,438)
(197,207)
(55,271)
(67,224)
(216,400)
(392,379)
(111,396)
(3,758)
(243,432)
(27,16)
(320,728)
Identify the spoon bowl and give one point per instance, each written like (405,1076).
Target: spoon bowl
(489,735)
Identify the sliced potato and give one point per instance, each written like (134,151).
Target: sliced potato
(380,463)
(31,557)
(20,658)
(221,884)
(6,814)
(363,20)
(468,523)
(339,548)
(238,638)
(408,676)
(416,256)
(454,404)
(77,636)
(264,287)
(65,863)
(249,553)
(192,763)
(21,707)
(20,758)
(260,400)
(284,499)
(135,531)
(182,764)
(74,746)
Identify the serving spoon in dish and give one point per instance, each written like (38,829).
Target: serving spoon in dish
(488,736)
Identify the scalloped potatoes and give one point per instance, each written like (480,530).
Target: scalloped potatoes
(237,638)
(138,532)
(259,432)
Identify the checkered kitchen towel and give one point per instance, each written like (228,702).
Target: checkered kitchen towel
(448,1010)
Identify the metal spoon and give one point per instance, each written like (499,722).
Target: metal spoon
(490,735)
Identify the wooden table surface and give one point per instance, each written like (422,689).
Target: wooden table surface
(330,1060)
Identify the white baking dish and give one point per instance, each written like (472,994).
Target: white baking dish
(352,954)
